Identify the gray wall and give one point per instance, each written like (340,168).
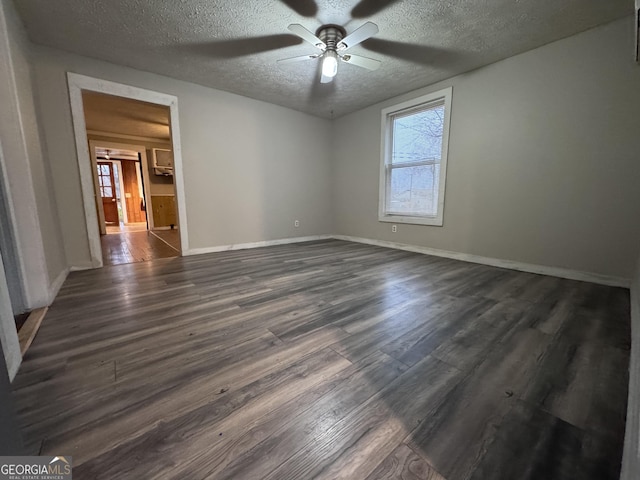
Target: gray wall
(38,262)
(40,171)
(543,159)
(631,457)
(29,190)
(250,168)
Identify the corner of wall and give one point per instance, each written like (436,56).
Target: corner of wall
(631,456)
(39,252)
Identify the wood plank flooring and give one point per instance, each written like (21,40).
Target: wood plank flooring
(328,360)
(132,247)
(172,237)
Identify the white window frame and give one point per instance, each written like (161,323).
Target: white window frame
(385,155)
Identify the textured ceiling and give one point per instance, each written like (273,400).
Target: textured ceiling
(233,45)
(107,113)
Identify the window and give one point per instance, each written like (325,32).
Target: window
(415,136)
(104,180)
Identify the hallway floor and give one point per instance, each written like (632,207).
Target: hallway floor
(172,237)
(132,247)
(128,227)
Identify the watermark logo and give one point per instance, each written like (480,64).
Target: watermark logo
(35,468)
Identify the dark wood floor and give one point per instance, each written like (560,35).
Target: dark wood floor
(328,360)
(132,247)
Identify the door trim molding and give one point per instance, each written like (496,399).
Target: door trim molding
(77,83)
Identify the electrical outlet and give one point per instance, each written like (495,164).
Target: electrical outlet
(394,228)
(296,223)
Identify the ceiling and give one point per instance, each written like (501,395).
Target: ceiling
(124,116)
(233,46)
(116,154)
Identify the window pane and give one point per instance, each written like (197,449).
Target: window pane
(417,137)
(104,169)
(414,190)
(106,181)
(107,192)
(116,181)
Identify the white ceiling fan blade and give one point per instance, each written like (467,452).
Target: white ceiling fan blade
(305,34)
(297,59)
(360,61)
(367,30)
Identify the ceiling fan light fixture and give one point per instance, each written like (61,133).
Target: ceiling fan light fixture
(330,63)
(330,39)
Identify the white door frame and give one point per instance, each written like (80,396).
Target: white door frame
(77,83)
(141,149)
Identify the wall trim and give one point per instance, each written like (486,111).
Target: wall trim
(496,262)
(264,243)
(631,453)
(465,257)
(56,285)
(76,84)
(80,268)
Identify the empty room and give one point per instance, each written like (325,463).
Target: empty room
(358,239)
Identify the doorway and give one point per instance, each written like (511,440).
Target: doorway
(130,230)
(84,131)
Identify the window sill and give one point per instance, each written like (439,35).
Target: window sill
(431,221)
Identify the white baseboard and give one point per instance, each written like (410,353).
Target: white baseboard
(496,262)
(466,257)
(165,228)
(631,455)
(265,243)
(79,268)
(55,286)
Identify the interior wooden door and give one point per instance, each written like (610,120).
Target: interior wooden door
(135,203)
(107,184)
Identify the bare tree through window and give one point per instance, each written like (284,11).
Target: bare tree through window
(415,161)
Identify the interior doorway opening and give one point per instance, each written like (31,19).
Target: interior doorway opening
(151,122)
(130,231)
(131,154)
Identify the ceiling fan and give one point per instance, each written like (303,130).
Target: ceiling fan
(333,44)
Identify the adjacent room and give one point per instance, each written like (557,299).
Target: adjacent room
(290,240)
(132,160)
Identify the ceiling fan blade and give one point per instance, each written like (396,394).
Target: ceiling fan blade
(305,34)
(416,53)
(239,47)
(367,30)
(297,59)
(306,8)
(366,8)
(325,79)
(360,61)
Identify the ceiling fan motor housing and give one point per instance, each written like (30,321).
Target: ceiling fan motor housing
(331,35)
